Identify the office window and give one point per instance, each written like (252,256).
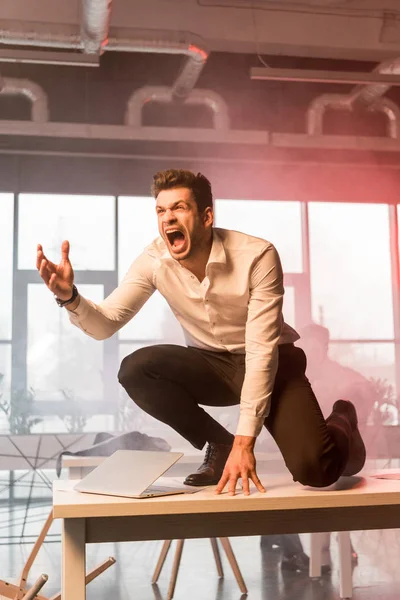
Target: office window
(6,263)
(5,381)
(88,222)
(61,359)
(350,270)
(277,222)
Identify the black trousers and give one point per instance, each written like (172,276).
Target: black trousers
(172,382)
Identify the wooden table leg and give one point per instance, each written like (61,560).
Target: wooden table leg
(346,575)
(73,559)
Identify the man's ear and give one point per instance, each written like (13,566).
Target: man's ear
(208,216)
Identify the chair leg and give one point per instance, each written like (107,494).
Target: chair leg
(92,574)
(31,594)
(175,568)
(12,592)
(34,552)
(217,557)
(233,562)
(161,560)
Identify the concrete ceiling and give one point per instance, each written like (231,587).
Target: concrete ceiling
(344,29)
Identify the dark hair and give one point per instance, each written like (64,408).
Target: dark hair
(179,178)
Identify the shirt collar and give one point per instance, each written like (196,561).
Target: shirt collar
(217,254)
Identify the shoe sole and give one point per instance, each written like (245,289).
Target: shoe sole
(325,569)
(200,483)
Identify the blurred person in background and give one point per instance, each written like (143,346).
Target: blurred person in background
(330,380)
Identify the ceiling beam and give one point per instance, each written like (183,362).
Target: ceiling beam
(311,76)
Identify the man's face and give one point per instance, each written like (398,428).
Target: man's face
(179,223)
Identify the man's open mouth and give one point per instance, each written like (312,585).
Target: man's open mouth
(176,239)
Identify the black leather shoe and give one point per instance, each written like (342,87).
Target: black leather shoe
(209,473)
(270,542)
(357,454)
(295,562)
(300,562)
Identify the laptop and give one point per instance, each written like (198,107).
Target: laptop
(131,473)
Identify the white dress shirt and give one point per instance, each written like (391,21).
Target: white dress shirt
(236,308)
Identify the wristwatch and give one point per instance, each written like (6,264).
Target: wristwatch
(70,301)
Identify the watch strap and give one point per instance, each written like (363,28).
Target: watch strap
(63,303)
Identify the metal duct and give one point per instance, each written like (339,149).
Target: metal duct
(133,114)
(96,17)
(190,72)
(153,41)
(368,94)
(316,110)
(318,107)
(392,112)
(32,91)
(196,58)
(40,39)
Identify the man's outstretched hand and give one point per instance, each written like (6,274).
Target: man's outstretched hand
(58,278)
(241,464)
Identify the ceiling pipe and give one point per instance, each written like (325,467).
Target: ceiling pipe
(316,110)
(196,55)
(146,94)
(96,16)
(31,90)
(318,107)
(392,112)
(190,72)
(40,39)
(368,94)
(154,41)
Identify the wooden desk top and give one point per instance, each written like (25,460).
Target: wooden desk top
(281,494)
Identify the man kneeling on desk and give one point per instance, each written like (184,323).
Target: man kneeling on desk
(226,290)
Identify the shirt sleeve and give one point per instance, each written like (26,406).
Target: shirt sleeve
(263,330)
(101,321)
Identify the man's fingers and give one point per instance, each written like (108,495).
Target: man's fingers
(52,282)
(257,482)
(39,256)
(65,250)
(44,271)
(222,483)
(245,484)
(232,484)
